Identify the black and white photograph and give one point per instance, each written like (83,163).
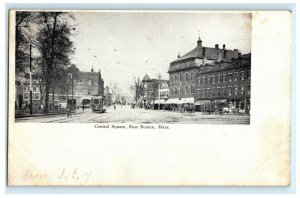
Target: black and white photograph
(149,98)
(141,67)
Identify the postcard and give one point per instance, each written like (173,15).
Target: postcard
(149,98)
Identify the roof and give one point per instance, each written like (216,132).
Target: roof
(246,56)
(146,78)
(208,52)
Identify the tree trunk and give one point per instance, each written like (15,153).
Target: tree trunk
(47,91)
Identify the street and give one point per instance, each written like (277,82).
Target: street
(126,114)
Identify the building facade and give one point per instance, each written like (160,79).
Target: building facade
(187,72)
(156,92)
(225,84)
(84,86)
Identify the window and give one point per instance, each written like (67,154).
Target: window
(186,89)
(203,80)
(208,80)
(199,81)
(224,78)
(224,91)
(89,82)
(171,91)
(249,74)
(242,75)
(187,77)
(172,79)
(213,91)
(213,78)
(92,83)
(242,90)
(208,92)
(181,90)
(219,91)
(37,96)
(236,76)
(229,91)
(192,89)
(192,76)
(230,77)
(89,93)
(176,78)
(248,89)
(176,91)
(219,79)
(236,90)
(203,94)
(26,88)
(26,95)
(34,89)
(181,78)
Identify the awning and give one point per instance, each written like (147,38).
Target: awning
(202,102)
(172,101)
(159,102)
(186,100)
(179,101)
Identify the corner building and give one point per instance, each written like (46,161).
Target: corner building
(184,70)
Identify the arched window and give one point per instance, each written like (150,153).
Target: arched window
(192,76)
(176,91)
(181,78)
(187,77)
(176,78)
(192,89)
(172,79)
(181,90)
(186,89)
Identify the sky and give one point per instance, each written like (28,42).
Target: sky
(127,45)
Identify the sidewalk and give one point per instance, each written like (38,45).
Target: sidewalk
(41,114)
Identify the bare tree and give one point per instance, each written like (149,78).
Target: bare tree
(137,89)
(55,47)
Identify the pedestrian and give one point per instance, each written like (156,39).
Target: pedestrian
(69,112)
(82,107)
(115,107)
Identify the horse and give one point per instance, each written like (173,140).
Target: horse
(190,109)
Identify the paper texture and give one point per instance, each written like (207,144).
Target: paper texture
(258,154)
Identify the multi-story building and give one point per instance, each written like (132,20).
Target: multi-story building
(225,84)
(183,70)
(83,87)
(23,94)
(156,91)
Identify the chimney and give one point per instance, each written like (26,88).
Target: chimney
(224,46)
(235,53)
(178,56)
(217,46)
(199,42)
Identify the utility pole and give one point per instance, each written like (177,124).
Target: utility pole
(159,77)
(30,79)
(72,92)
(67,92)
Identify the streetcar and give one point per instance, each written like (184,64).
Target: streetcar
(97,104)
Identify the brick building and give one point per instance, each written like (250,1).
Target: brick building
(85,86)
(224,84)
(156,91)
(183,70)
